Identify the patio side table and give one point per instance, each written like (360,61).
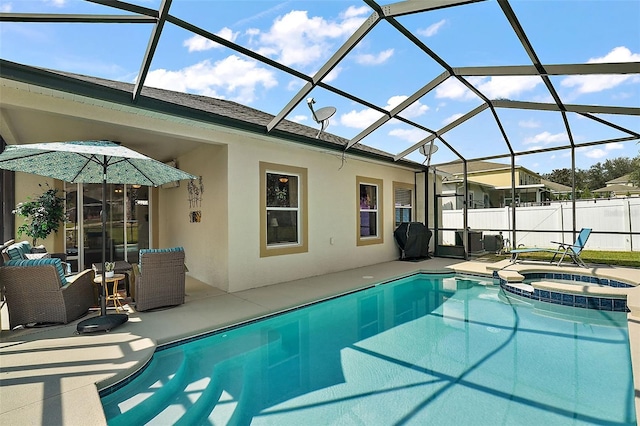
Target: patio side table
(121,267)
(114,296)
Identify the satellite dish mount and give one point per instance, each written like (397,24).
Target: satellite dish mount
(428,149)
(321,116)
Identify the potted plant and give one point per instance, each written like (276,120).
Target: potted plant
(42,215)
(109,268)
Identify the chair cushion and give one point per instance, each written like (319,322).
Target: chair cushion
(16,251)
(160,250)
(39,262)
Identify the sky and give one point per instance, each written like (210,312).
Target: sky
(383,69)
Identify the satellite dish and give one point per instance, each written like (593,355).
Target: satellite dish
(321,116)
(427,152)
(324,113)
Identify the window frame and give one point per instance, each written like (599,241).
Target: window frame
(301,246)
(409,187)
(379,238)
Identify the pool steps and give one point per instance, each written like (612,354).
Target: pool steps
(178,383)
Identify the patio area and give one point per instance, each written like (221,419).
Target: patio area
(52,375)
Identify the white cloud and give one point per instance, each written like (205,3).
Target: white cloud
(416,109)
(451,88)
(198,43)
(433,29)
(507,86)
(613,145)
(598,83)
(295,85)
(359,119)
(362,119)
(599,152)
(295,39)
(6,7)
(369,59)
(596,153)
(57,3)
(355,12)
(451,118)
(491,87)
(529,124)
(546,138)
(299,118)
(231,78)
(333,74)
(410,135)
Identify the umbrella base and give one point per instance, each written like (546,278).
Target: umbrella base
(102,323)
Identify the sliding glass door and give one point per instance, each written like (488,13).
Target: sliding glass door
(127,224)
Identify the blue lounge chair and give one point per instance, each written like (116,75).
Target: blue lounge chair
(564,249)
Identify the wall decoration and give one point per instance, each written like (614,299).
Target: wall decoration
(195,192)
(195,216)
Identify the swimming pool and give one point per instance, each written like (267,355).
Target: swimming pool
(427,349)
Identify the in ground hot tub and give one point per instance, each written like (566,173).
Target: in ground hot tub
(580,291)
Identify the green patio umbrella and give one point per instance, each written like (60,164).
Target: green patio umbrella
(91,162)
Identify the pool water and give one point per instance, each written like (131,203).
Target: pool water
(428,349)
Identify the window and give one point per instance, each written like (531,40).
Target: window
(283,212)
(403,202)
(369,211)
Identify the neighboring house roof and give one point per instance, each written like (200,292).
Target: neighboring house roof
(477,167)
(623,180)
(556,187)
(619,189)
(457,180)
(193,107)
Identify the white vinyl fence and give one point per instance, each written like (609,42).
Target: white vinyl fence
(615,215)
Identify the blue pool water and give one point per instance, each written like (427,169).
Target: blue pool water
(428,349)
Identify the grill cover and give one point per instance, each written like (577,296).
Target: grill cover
(413,239)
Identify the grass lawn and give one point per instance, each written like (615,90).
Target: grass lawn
(620,258)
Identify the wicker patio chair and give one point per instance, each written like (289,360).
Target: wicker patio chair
(159,280)
(36,294)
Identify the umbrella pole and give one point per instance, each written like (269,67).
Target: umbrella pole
(103,216)
(104,322)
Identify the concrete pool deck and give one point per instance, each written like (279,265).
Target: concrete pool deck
(51,376)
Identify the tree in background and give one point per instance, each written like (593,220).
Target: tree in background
(563,176)
(597,175)
(635,177)
(635,174)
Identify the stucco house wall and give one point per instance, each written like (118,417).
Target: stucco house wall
(223,250)
(205,242)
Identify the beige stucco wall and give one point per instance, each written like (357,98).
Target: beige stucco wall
(205,242)
(332,201)
(495,178)
(223,249)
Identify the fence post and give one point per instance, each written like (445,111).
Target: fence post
(630,225)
